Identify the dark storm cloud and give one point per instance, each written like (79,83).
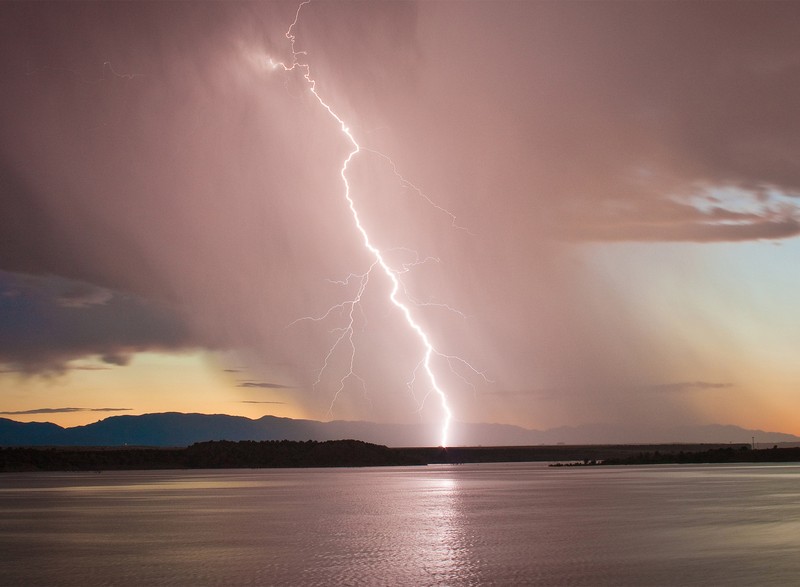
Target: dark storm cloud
(116,359)
(263,385)
(84,296)
(40,333)
(63,411)
(63,368)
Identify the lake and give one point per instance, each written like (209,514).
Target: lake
(484,524)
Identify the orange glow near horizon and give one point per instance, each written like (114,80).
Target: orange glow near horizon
(152,382)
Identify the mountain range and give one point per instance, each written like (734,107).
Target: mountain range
(177,429)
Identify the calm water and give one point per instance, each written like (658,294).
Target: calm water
(507,524)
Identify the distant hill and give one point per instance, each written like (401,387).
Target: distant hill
(176,429)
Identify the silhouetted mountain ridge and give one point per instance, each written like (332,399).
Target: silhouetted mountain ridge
(178,429)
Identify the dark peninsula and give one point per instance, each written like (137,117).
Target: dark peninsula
(223,454)
(730,454)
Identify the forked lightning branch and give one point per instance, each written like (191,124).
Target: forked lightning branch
(379,264)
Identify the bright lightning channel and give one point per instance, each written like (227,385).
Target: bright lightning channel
(378,256)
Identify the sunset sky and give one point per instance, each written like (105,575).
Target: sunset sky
(593,204)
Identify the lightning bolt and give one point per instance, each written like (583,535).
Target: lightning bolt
(345,334)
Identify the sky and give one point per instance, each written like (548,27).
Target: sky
(591,209)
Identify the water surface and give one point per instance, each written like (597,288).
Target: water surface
(487,524)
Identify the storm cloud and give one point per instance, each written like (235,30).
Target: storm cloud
(162,189)
(62,411)
(42,333)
